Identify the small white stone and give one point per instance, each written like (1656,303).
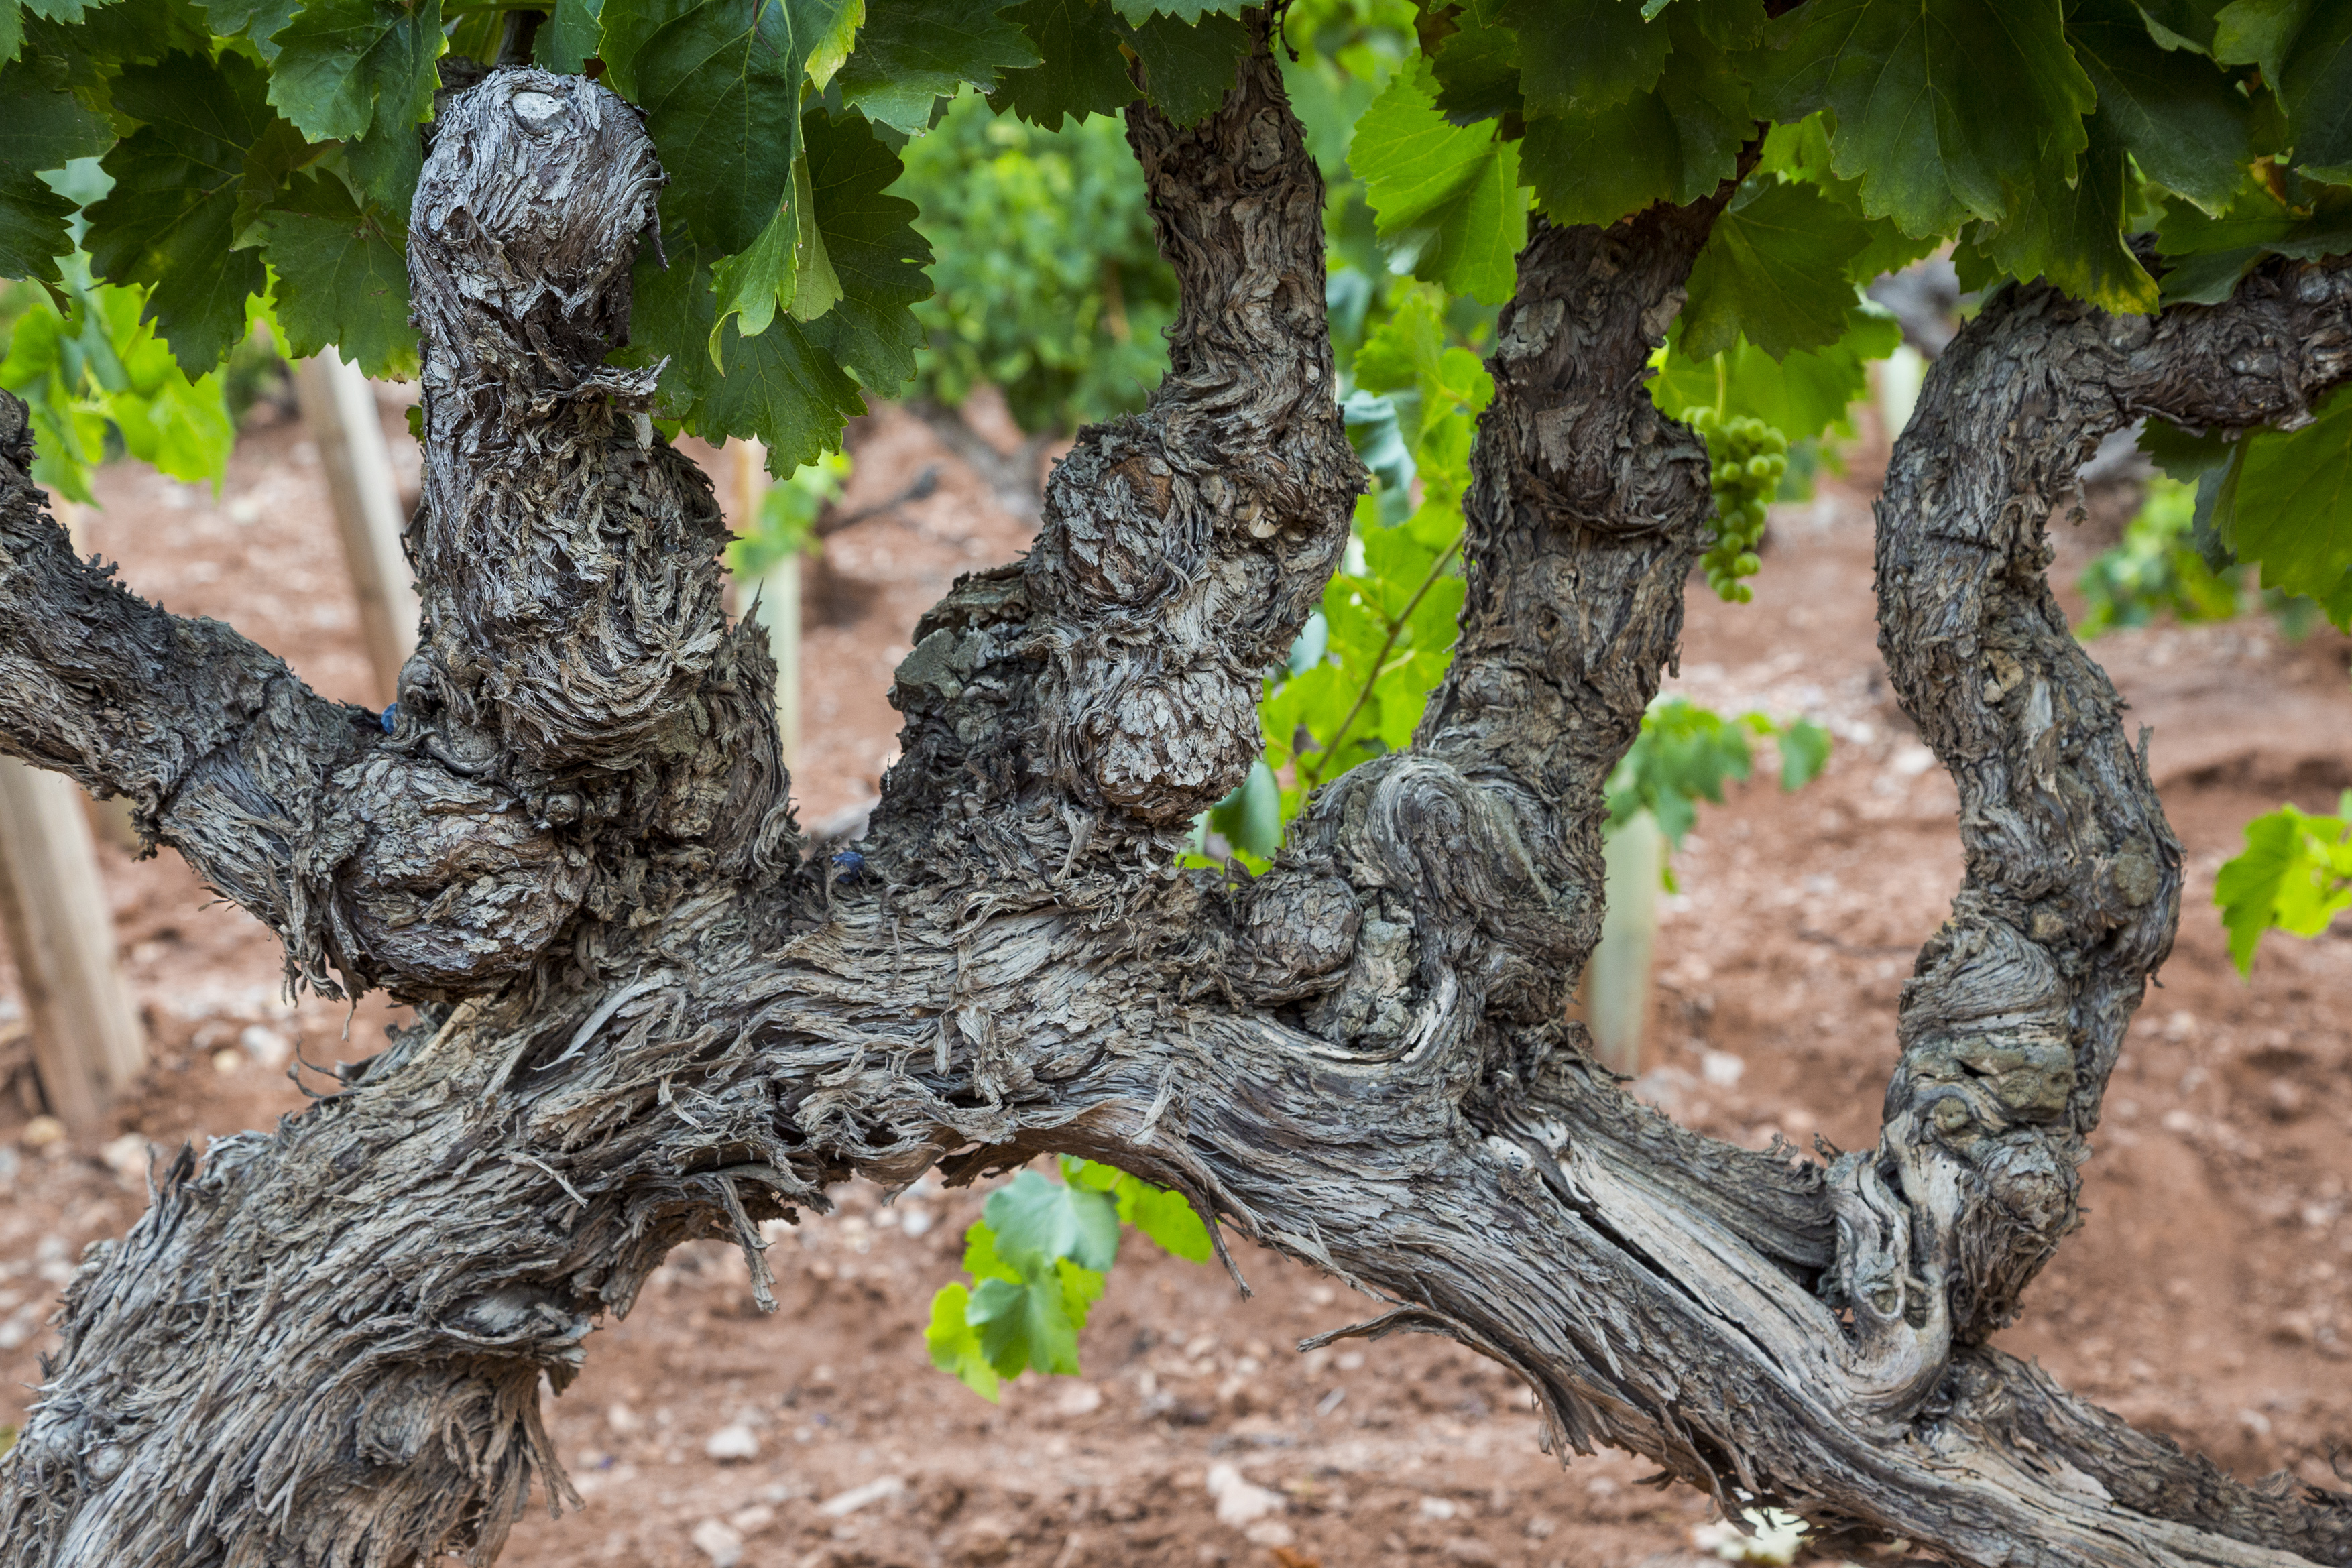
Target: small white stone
(716,1542)
(265,1046)
(1240,1501)
(1438,1507)
(732,1442)
(1079,1399)
(1722,1069)
(844,1504)
(126,1156)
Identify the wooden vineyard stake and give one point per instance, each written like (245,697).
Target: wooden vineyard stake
(87,1042)
(779,589)
(340,409)
(1617,980)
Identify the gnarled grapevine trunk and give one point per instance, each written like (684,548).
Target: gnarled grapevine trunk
(648,1020)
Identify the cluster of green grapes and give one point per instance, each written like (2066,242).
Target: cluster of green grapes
(1750,459)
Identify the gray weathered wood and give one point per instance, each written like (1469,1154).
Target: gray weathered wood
(87,1042)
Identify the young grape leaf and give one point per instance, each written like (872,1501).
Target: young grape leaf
(1024,1323)
(2294,875)
(1939,103)
(955,1347)
(39,129)
(2184,122)
(2293,509)
(1035,1222)
(2069,228)
(1447,196)
(1804,752)
(2305,50)
(342,278)
(1774,270)
(170,220)
(1167,1218)
(343,67)
(1082,71)
(12,29)
(912,53)
(1188,70)
(1673,142)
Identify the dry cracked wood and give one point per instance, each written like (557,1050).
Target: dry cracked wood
(648,1020)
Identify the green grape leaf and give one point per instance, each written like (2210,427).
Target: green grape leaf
(1167,1218)
(2182,24)
(2292,508)
(779,387)
(2210,254)
(1938,102)
(342,278)
(1804,752)
(796,383)
(257,21)
(2184,122)
(955,1347)
(1673,142)
(174,425)
(1447,196)
(2294,875)
(568,40)
(1584,54)
(1036,1221)
(1135,12)
(1801,396)
(2071,233)
(911,52)
(343,67)
(1774,270)
(39,129)
(1251,816)
(1477,69)
(1163,1215)
(1082,71)
(880,263)
(12,29)
(1188,71)
(721,85)
(2305,49)
(1023,1325)
(170,220)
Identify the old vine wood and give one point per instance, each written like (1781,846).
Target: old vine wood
(645,1017)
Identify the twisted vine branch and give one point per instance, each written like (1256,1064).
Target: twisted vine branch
(323,1345)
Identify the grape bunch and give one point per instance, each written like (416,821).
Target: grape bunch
(1749,457)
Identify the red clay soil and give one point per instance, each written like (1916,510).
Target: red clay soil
(2210,1295)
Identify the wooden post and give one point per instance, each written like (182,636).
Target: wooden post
(87,1042)
(340,409)
(1617,980)
(779,598)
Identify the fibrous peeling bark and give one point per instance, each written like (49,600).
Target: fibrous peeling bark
(323,1345)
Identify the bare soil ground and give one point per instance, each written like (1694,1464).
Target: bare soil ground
(2210,1296)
